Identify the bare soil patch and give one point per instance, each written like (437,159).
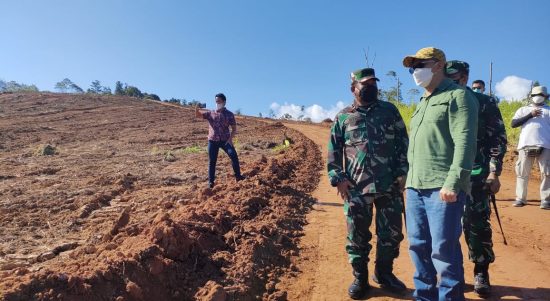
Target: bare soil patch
(118,208)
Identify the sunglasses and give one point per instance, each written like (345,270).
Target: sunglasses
(420,65)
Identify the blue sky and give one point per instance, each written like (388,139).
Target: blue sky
(258,53)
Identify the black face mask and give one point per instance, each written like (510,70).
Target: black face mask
(368,94)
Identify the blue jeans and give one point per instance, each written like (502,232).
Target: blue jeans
(434,229)
(213,149)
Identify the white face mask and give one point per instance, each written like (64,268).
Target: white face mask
(538,99)
(423,76)
(220,106)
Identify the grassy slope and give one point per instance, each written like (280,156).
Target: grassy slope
(507,109)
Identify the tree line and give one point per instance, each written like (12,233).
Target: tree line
(121,89)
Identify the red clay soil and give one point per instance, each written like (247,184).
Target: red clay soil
(105,198)
(521,270)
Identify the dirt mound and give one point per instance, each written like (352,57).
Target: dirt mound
(107,217)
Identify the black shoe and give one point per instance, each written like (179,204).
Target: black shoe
(239,178)
(359,288)
(482,286)
(210,185)
(389,282)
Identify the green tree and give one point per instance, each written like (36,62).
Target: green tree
(75,88)
(193,103)
(271,114)
(13,86)
(173,100)
(151,96)
(67,86)
(95,88)
(394,93)
(287,116)
(106,91)
(133,92)
(119,88)
(63,85)
(302,111)
(413,94)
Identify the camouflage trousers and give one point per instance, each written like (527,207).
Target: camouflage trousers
(389,224)
(477,228)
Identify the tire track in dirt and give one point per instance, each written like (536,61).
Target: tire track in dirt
(520,272)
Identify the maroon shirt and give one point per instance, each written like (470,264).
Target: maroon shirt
(219,122)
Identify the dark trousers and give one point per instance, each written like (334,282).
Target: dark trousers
(477,226)
(359,213)
(213,149)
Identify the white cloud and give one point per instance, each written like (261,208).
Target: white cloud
(513,88)
(315,112)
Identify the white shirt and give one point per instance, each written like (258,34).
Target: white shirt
(536,131)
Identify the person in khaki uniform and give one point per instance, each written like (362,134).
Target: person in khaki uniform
(534,145)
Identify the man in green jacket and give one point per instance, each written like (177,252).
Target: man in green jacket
(491,147)
(441,152)
(367,163)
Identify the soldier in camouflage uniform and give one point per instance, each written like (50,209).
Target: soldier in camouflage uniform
(368,165)
(491,143)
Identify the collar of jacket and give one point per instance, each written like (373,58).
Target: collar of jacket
(364,109)
(443,85)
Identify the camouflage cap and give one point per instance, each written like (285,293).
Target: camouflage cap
(424,54)
(539,90)
(363,75)
(455,66)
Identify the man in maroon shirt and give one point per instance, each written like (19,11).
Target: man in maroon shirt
(219,136)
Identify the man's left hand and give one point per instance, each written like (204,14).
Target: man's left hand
(493,182)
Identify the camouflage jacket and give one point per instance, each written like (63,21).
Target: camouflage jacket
(491,138)
(368,146)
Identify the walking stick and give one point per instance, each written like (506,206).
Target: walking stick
(404,213)
(494,201)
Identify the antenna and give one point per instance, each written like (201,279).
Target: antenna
(366,53)
(491,79)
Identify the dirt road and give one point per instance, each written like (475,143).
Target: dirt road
(521,270)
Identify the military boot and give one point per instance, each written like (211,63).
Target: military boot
(383,275)
(358,289)
(482,286)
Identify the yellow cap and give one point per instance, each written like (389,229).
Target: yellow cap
(424,54)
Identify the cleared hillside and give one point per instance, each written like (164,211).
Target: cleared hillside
(118,209)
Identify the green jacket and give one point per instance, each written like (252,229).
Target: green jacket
(443,137)
(368,146)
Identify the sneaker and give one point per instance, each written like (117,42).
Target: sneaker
(519,203)
(210,185)
(239,178)
(545,205)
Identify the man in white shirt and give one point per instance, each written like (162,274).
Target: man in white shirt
(534,144)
